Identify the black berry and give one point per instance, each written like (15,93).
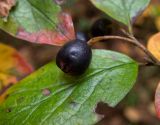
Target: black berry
(74,57)
(101,27)
(82,36)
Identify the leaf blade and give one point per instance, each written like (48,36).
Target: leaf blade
(121,10)
(13,66)
(40,22)
(71,100)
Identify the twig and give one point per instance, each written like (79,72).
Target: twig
(148,53)
(131,40)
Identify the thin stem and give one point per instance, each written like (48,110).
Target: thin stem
(100,38)
(155,60)
(152,58)
(131,40)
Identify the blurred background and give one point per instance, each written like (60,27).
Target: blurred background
(137,108)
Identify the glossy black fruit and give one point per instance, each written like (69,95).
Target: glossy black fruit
(101,27)
(82,36)
(74,57)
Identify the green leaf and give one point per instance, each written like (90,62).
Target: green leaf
(34,15)
(49,97)
(10,26)
(123,11)
(39,21)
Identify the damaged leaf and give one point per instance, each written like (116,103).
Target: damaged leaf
(39,21)
(50,97)
(63,33)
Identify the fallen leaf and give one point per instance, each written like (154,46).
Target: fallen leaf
(13,66)
(6,80)
(132,114)
(154,45)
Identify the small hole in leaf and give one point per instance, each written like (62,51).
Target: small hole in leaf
(103,109)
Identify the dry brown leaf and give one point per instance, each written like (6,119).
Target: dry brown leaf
(5,7)
(132,114)
(154,45)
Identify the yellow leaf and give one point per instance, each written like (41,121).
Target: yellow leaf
(154,45)
(6,79)
(6,59)
(12,66)
(12,62)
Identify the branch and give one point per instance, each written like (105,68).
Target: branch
(132,40)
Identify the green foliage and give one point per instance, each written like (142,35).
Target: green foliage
(39,21)
(33,15)
(123,11)
(9,26)
(49,97)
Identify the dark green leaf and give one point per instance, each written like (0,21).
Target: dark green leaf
(49,97)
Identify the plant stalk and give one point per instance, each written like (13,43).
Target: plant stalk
(131,40)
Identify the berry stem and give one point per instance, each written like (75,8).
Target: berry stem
(131,39)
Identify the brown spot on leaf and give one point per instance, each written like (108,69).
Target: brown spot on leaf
(8,110)
(5,7)
(46,92)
